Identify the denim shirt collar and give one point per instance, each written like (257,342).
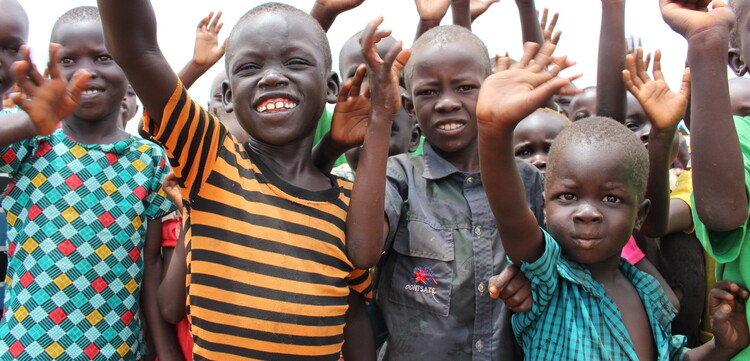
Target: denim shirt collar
(435,167)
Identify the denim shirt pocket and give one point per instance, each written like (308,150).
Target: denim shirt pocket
(423,268)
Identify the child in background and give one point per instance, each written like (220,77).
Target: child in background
(586,299)
(719,143)
(129,106)
(534,135)
(739,93)
(83,211)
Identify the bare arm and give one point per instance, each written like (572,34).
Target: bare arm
(610,91)
(163,334)
(207,49)
(530,28)
(506,97)
(365,235)
(171,291)
(130,35)
(359,343)
(461,11)
(720,201)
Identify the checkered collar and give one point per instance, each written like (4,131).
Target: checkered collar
(119,147)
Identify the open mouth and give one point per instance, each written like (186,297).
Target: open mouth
(91,92)
(274,105)
(450,126)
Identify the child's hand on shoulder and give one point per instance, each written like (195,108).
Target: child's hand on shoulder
(663,107)
(728,319)
(515,91)
(207,49)
(513,288)
(432,11)
(47,101)
(688,18)
(383,74)
(349,122)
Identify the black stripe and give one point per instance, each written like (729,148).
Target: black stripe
(255,354)
(244,264)
(278,338)
(359,280)
(221,181)
(190,148)
(250,312)
(269,293)
(174,119)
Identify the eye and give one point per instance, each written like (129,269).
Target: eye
(297,63)
(67,61)
(632,125)
(567,197)
(611,199)
(103,58)
(564,101)
(580,115)
(247,67)
(12,50)
(425,92)
(466,88)
(523,152)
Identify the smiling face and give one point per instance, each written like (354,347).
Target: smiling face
(14,32)
(83,48)
(445,84)
(534,135)
(278,81)
(592,207)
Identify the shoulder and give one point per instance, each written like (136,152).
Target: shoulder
(527,171)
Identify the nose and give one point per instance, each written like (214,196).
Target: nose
(273,78)
(447,103)
(539,161)
(643,133)
(587,213)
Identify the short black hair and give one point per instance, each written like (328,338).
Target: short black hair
(735,39)
(444,35)
(608,134)
(320,37)
(76,15)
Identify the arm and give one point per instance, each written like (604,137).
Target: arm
(348,125)
(431,12)
(359,343)
(163,334)
(365,236)
(610,89)
(720,202)
(665,109)
(506,98)
(326,11)
(171,291)
(530,28)
(207,49)
(45,102)
(461,11)
(130,35)
(728,323)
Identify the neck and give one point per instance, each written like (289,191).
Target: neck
(606,272)
(292,162)
(465,160)
(103,131)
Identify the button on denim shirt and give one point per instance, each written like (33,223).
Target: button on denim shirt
(442,248)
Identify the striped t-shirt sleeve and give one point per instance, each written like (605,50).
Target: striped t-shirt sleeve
(190,136)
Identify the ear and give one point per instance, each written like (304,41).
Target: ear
(736,63)
(137,107)
(334,85)
(416,136)
(642,212)
(408,106)
(226,96)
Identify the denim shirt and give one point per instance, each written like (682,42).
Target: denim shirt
(443,246)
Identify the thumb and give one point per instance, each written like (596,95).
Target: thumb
(498,282)
(78,84)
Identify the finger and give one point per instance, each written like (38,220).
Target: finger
(53,66)
(357,79)
(366,91)
(543,58)
(559,64)
(366,40)
(518,298)
(215,21)
(525,306)
(658,75)
(530,49)
(401,59)
(21,101)
(648,61)
(382,34)
(503,63)
(640,65)
(553,23)
(77,84)
(633,72)
(345,91)
(203,24)
(20,70)
(499,282)
(218,28)
(543,22)
(556,37)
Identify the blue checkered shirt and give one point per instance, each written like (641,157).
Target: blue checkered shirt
(573,318)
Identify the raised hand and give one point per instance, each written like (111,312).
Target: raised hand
(352,112)
(47,101)
(339,6)
(432,11)
(478,7)
(207,49)
(515,91)
(688,18)
(663,107)
(383,73)
(632,48)
(549,32)
(728,319)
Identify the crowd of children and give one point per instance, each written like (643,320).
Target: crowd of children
(453,206)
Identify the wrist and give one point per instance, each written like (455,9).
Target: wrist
(526,4)
(712,37)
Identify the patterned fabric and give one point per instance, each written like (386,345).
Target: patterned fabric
(442,249)
(4,180)
(344,171)
(572,317)
(77,216)
(268,277)
(731,249)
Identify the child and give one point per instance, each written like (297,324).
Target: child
(534,135)
(719,142)
(78,208)
(129,106)
(586,299)
(441,243)
(265,257)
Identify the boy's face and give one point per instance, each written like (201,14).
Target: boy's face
(591,207)
(444,90)
(129,105)
(534,135)
(583,105)
(83,48)
(636,119)
(278,81)
(216,103)
(14,31)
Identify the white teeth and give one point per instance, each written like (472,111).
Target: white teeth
(276,105)
(271,106)
(290,105)
(449,126)
(279,105)
(262,108)
(90,91)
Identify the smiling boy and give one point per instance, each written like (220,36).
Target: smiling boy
(265,256)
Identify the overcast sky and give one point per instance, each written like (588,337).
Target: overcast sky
(499,28)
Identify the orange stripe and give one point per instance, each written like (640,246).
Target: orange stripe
(267,326)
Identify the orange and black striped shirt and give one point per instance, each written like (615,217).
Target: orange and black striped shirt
(268,277)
